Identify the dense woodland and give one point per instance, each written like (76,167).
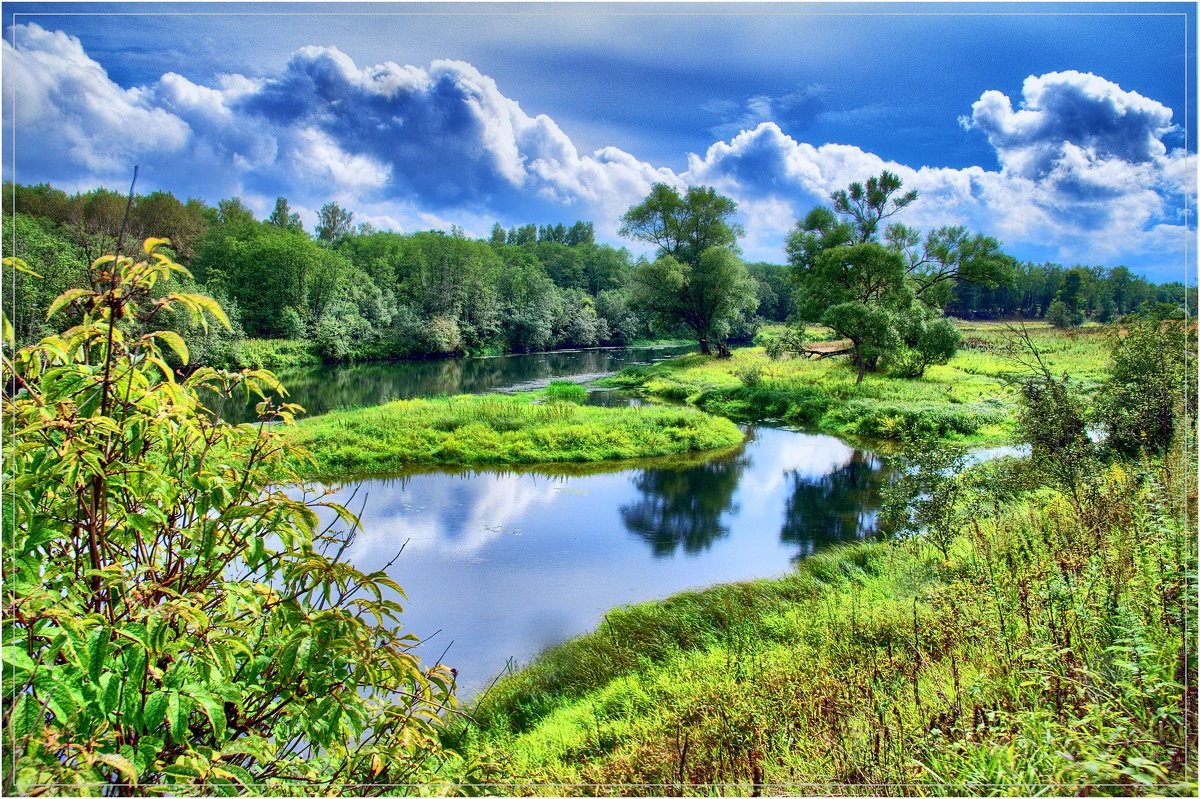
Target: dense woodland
(361,294)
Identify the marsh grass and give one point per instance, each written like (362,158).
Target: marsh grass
(1041,654)
(968,400)
(500,429)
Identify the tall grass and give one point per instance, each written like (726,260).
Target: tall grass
(1045,654)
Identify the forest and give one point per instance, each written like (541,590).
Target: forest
(348,292)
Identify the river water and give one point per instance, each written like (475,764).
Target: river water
(499,565)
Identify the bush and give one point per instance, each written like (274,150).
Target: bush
(750,374)
(1141,402)
(172,621)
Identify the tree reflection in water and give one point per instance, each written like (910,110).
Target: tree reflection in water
(841,505)
(684,508)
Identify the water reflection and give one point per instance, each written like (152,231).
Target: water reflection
(684,509)
(839,505)
(505,563)
(324,388)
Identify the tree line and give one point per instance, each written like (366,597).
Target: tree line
(360,293)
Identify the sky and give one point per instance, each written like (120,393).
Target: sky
(1065,130)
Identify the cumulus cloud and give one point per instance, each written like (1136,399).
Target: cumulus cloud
(1084,170)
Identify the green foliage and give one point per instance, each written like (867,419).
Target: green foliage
(173,621)
(1142,402)
(1051,418)
(683,227)
(697,282)
(928,498)
(839,262)
(704,298)
(927,340)
(1059,315)
(333,223)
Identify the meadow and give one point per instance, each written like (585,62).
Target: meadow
(968,400)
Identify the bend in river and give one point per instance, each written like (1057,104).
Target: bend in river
(499,565)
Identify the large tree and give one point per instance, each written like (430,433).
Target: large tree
(867,284)
(683,226)
(697,282)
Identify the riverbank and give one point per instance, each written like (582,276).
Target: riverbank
(539,427)
(284,353)
(969,400)
(1045,652)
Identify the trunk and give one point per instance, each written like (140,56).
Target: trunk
(723,351)
(704,348)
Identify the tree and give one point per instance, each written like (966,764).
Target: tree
(697,281)
(333,223)
(705,299)
(929,495)
(839,256)
(683,227)
(865,207)
(173,622)
(1066,311)
(283,216)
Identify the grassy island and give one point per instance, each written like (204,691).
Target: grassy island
(542,427)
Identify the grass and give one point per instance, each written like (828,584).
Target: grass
(1042,655)
(968,400)
(500,429)
(271,353)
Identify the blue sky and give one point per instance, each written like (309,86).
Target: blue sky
(1061,129)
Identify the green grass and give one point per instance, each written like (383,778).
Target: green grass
(968,400)
(1042,655)
(500,429)
(271,353)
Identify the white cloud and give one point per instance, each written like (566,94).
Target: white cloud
(1085,173)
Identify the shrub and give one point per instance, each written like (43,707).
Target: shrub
(750,374)
(1141,403)
(172,621)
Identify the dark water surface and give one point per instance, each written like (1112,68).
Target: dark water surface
(501,565)
(320,389)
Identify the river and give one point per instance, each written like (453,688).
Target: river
(499,565)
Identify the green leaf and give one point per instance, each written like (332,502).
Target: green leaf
(112,692)
(97,647)
(18,661)
(26,715)
(215,711)
(155,710)
(66,298)
(177,716)
(175,342)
